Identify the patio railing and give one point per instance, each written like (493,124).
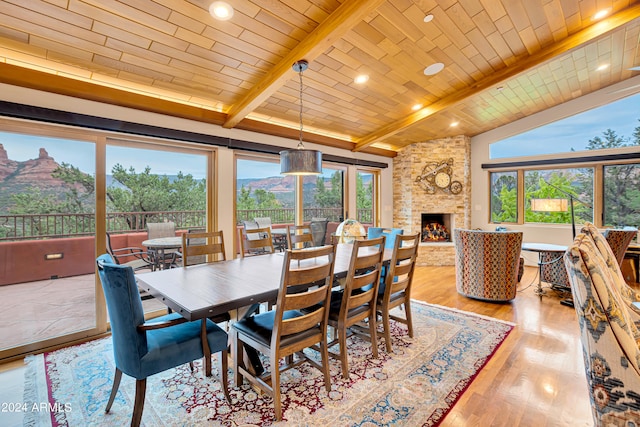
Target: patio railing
(47,226)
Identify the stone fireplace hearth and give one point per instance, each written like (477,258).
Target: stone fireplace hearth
(418,204)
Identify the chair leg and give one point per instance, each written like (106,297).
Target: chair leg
(342,339)
(138,406)
(237,353)
(114,389)
(275,387)
(374,334)
(324,354)
(223,367)
(407,310)
(387,329)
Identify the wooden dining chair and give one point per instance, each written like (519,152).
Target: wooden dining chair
(395,287)
(299,321)
(356,302)
(256,241)
(299,236)
(198,245)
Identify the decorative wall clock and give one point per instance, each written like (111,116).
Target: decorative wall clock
(437,176)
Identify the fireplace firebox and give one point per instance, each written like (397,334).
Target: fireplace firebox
(436,227)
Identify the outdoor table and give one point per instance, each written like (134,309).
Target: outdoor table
(158,249)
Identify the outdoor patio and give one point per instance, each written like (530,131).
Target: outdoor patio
(50,308)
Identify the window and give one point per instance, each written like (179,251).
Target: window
(576,133)
(622,195)
(262,192)
(570,185)
(365,197)
(504,197)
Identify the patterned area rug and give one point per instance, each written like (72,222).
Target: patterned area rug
(417,385)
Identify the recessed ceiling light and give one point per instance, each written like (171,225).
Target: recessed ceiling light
(428,18)
(601,14)
(221,10)
(454,124)
(416,107)
(434,69)
(602,67)
(361,79)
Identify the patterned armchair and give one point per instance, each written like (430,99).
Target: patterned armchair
(487,263)
(619,240)
(607,331)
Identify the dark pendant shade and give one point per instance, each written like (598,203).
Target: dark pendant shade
(300,162)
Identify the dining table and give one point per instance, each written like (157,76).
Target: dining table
(199,292)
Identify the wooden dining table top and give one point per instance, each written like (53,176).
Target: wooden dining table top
(206,290)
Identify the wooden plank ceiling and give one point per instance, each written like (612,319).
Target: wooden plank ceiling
(503,60)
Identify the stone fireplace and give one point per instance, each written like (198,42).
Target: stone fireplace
(418,204)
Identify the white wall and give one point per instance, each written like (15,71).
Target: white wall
(545,233)
(225,157)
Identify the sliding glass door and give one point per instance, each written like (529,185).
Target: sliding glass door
(47,225)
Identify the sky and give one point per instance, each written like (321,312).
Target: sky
(573,132)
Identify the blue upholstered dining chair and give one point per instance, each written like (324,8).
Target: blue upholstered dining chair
(389,233)
(144,349)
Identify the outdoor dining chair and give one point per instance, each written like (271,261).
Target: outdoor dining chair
(299,236)
(142,349)
(255,241)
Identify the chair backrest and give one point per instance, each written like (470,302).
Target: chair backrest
(363,279)
(197,245)
(256,241)
(389,233)
(608,335)
(299,236)
(156,230)
(399,276)
(125,313)
(619,240)
(319,230)
(110,249)
(306,281)
(487,263)
(263,221)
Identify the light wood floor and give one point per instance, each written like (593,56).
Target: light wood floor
(536,378)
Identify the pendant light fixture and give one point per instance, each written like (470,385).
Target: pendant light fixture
(300,161)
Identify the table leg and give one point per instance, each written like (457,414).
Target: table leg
(205,348)
(539,291)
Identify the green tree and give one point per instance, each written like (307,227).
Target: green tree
(147,192)
(329,198)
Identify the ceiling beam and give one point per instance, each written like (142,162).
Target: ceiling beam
(521,65)
(345,17)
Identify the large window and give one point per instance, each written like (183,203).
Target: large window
(262,192)
(562,185)
(60,190)
(504,197)
(577,133)
(366,197)
(622,195)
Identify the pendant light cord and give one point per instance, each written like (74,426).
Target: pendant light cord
(300,145)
